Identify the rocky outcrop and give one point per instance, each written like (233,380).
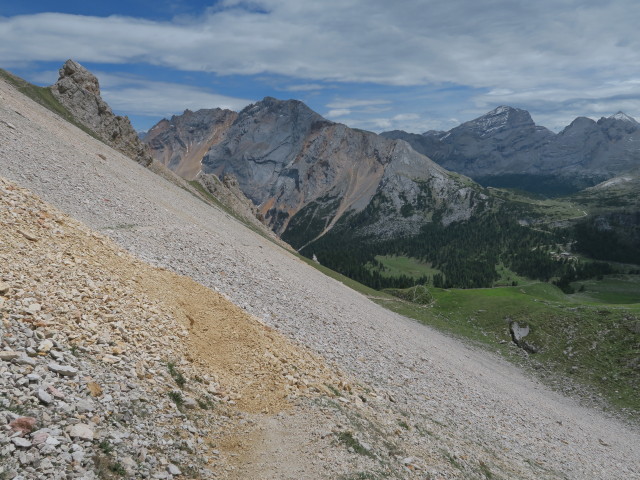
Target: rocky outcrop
(78,90)
(506,148)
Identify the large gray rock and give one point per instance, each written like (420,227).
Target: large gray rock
(78,90)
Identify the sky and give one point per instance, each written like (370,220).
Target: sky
(414,65)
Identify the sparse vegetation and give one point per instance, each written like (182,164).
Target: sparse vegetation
(453,461)
(118,469)
(205,403)
(106,468)
(361,476)
(176,397)
(333,389)
(348,440)
(176,374)
(486,471)
(582,346)
(105,447)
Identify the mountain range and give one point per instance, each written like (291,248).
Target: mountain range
(348,196)
(505,148)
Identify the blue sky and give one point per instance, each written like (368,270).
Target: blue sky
(371,64)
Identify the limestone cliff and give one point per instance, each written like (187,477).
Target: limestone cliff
(78,90)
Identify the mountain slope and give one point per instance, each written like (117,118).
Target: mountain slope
(180,142)
(504,148)
(612,229)
(468,412)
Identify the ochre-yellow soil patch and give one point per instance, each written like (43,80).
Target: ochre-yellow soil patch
(256,367)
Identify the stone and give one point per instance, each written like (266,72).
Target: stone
(110,359)
(21,442)
(78,456)
(8,355)
(81,430)
(84,406)
(45,346)
(518,332)
(23,425)
(173,470)
(4,288)
(34,308)
(25,360)
(57,356)
(79,91)
(28,235)
(63,370)
(190,403)
(52,441)
(94,389)
(55,392)
(44,397)
(39,437)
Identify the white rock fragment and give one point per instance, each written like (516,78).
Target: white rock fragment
(44,397)
(173,470)
(21,442)
(81,430)
(63,370)
(45,346)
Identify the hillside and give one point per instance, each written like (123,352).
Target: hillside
(421,404)
(108,343)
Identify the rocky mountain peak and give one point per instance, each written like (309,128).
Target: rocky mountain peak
(499,119)
(284,109)
(623,117)
(578,126)
(72,74)
(617,126)
(78,90)
(181,141)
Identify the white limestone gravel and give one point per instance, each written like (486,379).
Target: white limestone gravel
(473,405)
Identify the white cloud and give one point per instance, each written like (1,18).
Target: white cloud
(339,112)
(160,99)
(570,52)
(306,87)
(353,103)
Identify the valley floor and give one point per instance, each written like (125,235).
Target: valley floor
(422,404)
